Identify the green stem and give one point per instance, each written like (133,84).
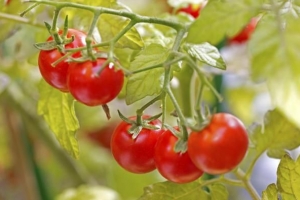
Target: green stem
(134,17)
(203,78)
(144,107)
(250,169)
(20,20)
(53,30)
(249,187)
(89,39)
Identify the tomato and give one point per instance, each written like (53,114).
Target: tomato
(7,2)
(192,9)
(220,146)
(91,87)
(246,33)
(102,136)
(57,76)
(135,155)
(174,166)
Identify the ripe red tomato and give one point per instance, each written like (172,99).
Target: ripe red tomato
(192,9)
(135,155)
(57,76)
(246,33)
(102,136)
(174,166)
(7,2)
(220,146)
(91,88)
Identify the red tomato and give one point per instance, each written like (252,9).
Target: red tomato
(7,2)
(174,166)
(220,146)
(91,88)
(135,155)
(102,136)
(192,9)
(57,76)
(246,33)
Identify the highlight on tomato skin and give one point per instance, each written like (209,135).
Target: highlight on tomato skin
(245,34)
(56,76)
(135,155)
(93,84)
(220,146)
(176,167)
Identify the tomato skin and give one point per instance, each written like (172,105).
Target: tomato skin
(220,146)
(246,33)
(175,167)
(135,155)
(57,76)
(94,89)
(192,9)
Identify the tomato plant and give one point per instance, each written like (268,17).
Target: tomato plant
(135,154)
(220,146)
(181,67)
(56,75)
(94,82)
(174,166)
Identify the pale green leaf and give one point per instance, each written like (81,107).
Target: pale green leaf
(218,192)
(111,25)
(277,135)
(270,193)
(206,53)
(275,57)
(288,178)
(173,191)
(87,192)
(57,108)
(150,82)
(219,19)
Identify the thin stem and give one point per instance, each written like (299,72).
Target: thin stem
(19,20)
(53,30)
(144,107)
(130,15)
(252,165)
(89,39)
(249,187)
(203,78)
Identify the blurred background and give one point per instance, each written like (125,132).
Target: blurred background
(33,165)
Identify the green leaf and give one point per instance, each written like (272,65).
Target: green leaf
(57,108)
(150,82)
(219,19)
(218,192)
(88,193)
(111,25)
(270,193)
(279,42)
(288,178)
(206,53)
(172,191)
(277,135)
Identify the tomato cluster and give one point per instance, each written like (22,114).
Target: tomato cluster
(90,82)
(216,149)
